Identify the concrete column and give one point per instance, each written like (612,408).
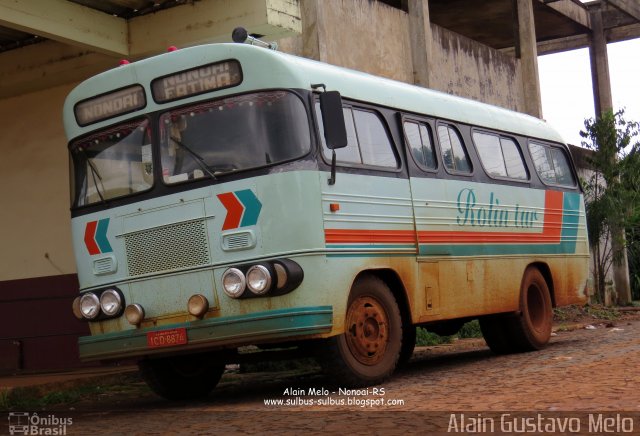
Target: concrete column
(603,102)
(599,65)
(529,58)
(420,34)
(313,30)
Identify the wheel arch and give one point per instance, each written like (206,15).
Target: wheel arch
(399,291)
(548,277)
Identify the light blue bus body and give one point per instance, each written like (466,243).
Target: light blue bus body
(448,245)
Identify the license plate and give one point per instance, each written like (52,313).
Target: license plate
(167,338)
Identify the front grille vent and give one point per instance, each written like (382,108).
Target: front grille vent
(238,241)
(167,248)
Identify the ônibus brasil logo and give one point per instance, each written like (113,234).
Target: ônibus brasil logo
(31,423)
(243,208)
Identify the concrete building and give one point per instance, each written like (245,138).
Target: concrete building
(481,50)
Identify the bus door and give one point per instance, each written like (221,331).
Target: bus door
(427,194)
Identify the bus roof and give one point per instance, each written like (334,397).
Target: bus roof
(268,69)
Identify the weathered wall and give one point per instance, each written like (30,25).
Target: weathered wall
(367,36)
(469,69)
(359,34)
(374,38)
(35,230)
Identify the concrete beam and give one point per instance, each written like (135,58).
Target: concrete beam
(208,21)
(46,65)
(313,30)
(529,58)
(420,35)
(600,76)
(67,22)
(576,42)
(572,10)
(630,7)
(563,44)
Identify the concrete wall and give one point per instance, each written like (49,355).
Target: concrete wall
(368,36)
(37,270)
(469,69)
(374,37)
(34,187)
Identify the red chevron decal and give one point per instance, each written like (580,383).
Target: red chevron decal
(89,240)
(234,210)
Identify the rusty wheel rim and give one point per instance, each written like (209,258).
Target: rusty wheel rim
(367,330)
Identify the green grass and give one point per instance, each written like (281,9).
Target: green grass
(579,313)
(33,398)
(468,330)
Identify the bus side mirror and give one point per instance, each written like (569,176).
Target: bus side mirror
(335,132)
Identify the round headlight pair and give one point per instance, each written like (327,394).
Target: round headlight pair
(109,302)
(235,282)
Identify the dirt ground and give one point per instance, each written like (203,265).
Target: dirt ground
(582,371)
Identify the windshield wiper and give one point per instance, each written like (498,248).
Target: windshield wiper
(201,163)
(94,173)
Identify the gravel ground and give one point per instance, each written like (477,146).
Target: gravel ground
(582,371)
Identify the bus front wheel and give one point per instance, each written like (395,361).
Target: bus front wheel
(368,351)
(182,377)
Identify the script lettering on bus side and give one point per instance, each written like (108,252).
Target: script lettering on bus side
(491,214)
(109,105)
(196,81)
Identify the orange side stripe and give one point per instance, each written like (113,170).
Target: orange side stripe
(551,231)
(369,236)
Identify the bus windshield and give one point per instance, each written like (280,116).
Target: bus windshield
(231,134)
(112,163)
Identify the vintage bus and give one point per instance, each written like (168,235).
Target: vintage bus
(228,195)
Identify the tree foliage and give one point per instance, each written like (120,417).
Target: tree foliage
(612,190)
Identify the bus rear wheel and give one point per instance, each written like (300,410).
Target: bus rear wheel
(182,377)
(533,328)
(528,330)
(369,350)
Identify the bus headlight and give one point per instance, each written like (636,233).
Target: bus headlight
(134,314)
(76,309)
(89,305)
(258,279)
(110,302)
(233,282)
(198,305)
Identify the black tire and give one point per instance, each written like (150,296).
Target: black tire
(495,330)
(369,350)
(528,330)
(186,377)
(532,329)
(408,344)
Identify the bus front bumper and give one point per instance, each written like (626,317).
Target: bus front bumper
(270,326)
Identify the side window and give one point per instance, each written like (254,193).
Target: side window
(551,164)
(516,168)
(500,156)
(454,154)
(375,147)
(368,141)
(419,140)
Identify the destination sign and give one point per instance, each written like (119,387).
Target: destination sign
(109,105)
(196,81)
